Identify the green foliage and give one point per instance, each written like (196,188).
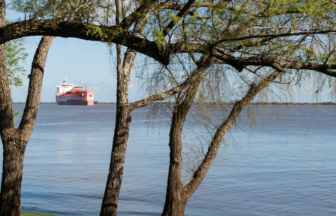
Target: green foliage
(15,57)
(97,31)
(31,7)
(159,38)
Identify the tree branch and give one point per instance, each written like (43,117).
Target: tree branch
(274,63)
(164,95)
(35,84)
(307,32)
(180,14)
(43,9)
(223,129)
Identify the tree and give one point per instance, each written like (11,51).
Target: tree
(14,140)
(277,35)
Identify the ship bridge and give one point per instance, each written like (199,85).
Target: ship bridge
(64,87)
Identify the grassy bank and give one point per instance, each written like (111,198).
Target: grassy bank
(34,214)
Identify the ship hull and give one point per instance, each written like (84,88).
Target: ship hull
(76,102)
(76,97)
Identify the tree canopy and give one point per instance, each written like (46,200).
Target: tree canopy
(277,34)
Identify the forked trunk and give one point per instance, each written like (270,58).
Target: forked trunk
(177,193)
(15,140)
(12,167)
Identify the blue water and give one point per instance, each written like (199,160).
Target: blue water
(285,167)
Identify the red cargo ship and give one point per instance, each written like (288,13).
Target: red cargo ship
(69,94)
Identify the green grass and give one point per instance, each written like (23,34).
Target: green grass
(34,214)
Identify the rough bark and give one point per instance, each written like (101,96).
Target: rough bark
(178,194)
(15,140)
(114,179)
(13,154)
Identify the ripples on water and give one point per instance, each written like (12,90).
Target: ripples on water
(278,170)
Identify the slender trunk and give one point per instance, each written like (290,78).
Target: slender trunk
(114,179)
(123,120)
(176,198)
(176,195)
(121,133)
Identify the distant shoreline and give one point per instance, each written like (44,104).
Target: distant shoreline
(257,103)
(56,103)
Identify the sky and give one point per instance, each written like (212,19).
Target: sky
(83,62)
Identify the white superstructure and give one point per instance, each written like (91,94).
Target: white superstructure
(64,87)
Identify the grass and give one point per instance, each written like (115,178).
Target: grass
(34,214)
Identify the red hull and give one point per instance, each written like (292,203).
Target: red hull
(76,97)
(76,102)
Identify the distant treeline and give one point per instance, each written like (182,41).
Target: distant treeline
(291,103)
(265,103)
(256,103)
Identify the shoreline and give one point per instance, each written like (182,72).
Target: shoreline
(257,103)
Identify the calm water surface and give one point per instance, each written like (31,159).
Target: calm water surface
(279,169)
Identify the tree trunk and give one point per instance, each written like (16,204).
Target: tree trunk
(114,179)
(15,140)
(121,131)
(177,194)
(176,199)
(176,202)
(13,156)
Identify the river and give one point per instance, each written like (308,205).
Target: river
(286,166)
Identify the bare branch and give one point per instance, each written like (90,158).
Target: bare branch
(43,9)
(180,14)
(224,128)
(164,95)
(275,63)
